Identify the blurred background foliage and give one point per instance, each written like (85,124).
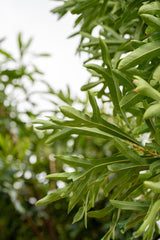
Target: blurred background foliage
(25,160)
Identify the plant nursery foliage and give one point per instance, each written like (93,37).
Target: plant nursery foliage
(125,75)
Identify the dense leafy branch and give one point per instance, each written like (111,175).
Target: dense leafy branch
(126,69)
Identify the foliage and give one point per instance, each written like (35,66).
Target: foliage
(127,179)
(25,160)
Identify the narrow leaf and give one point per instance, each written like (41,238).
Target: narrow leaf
(154,186)
(79,215)
(100,213)
(130,99)
(91,85)
(151,8)
(137,206)
(58,135)
(56,195)
(123,166)
(147,51)
(105,54)
(73,113)
(61,176)
(150,218)
(151,21)
(128,153)
(152,111)
(96,111)
(75,161)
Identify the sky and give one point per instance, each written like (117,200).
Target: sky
(33,19)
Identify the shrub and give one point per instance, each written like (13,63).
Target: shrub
(125,74)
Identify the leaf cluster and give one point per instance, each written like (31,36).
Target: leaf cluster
(126,69)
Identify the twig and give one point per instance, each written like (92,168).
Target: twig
(145,150)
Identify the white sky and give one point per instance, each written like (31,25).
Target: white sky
(33,19)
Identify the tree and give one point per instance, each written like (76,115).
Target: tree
(126,71)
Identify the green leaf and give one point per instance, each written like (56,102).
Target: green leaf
(150,218)
(128,152)
(100,213)
(83,5)
(20,41)
(155,167)
(96,112)
(122,166)
(79,189)
(130,99)
(107,41)
(156,75)
(54,196)
(149,30)
(91,132)
(75,161)
(25,47)
(79,215)
(120,177)
(100,70)
(73,113)
(42,55)
(61,176)
(103,129)
(63,8)
(151,21)
(112,84)
(136,44)
(105,54)
(112,32)
(115,218)
(123,79)
(58,135)
(152,111)
(154,186)
(157,136)
(134,220)
(144,88)
(147,51)
(45,124)
(8,55)
(137,206)
(91,85)
(63,123)
(150,8)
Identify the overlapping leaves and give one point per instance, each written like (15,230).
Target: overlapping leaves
(124,178)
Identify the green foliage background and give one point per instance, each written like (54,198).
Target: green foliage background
(25,159)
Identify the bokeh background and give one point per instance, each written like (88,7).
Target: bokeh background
(34,19)
(28,31)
